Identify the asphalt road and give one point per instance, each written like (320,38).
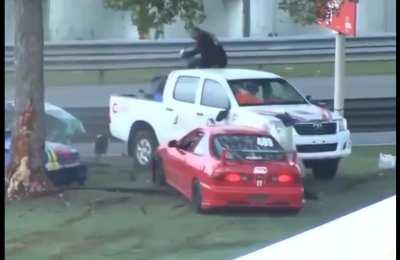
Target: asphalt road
(318,88)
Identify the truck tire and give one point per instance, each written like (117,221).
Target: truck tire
(197,197)
(325,169)
(158,172)
(143,144)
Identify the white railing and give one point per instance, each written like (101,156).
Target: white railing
(114,55)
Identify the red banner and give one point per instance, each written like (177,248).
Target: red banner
(340,16)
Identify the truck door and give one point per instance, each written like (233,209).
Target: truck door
(213,100)
(183,105)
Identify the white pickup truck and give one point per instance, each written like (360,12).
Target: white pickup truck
(251,98)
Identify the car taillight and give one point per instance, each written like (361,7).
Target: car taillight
(232,177)
(284,178)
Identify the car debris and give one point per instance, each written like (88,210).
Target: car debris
(386,161)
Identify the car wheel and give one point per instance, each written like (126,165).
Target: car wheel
(197,197)
(325,169)
(158,172)
(144,144)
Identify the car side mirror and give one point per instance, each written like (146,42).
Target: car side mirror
(223,113)
(309,98)
(173,143)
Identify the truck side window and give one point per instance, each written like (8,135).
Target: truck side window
(214,95)
(186,88)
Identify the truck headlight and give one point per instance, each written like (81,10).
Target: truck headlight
(342,124)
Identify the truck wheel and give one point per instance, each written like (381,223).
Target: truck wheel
(158,172)
(197,197)
(144,144)
(325,169)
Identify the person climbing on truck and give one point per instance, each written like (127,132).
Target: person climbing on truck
(207,53)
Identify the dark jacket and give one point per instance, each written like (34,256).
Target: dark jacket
(211,51)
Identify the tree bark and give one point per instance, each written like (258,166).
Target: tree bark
(25,174)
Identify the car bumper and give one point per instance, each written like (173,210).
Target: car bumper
(343,148)
(265,197)
(68,175)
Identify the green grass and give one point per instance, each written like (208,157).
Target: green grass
(101,225)
(71,78)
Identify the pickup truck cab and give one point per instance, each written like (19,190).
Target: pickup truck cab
(251,98)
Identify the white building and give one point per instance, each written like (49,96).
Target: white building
(66,20)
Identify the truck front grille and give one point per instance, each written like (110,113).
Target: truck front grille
(315,128)
(315,148)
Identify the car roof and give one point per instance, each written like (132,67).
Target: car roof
(228,73)
(215,130)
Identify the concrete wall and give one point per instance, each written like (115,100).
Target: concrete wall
(376,16)
(224,19)
(262,17)
(89,20)
(284,26)
(66,21)
(9,23)
(391,16)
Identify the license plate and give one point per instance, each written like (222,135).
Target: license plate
(260,170)
(258,198)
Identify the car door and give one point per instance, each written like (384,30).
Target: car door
(194,163)
(214,99)
(176,160)
(184,104)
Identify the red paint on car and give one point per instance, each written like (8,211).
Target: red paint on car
(263,177)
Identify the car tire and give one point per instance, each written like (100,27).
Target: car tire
(143,144)
(325,169)
(158,172)
(197,197)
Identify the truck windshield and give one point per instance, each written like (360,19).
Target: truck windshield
(248,147)
(258,92)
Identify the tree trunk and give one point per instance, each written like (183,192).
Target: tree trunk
(143,35)
(25,174)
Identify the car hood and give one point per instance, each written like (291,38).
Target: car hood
(49,146)
(300,113)
(58,147)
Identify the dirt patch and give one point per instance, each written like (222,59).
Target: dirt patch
(78,218)
(96,205)
(29,240)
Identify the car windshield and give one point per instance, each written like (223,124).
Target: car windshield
(60,125)
(256,92)
(248,147)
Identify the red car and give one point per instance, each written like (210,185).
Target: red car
(230,167)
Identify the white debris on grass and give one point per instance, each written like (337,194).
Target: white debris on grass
(386,161)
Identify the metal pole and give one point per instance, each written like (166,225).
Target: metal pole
(339,73)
